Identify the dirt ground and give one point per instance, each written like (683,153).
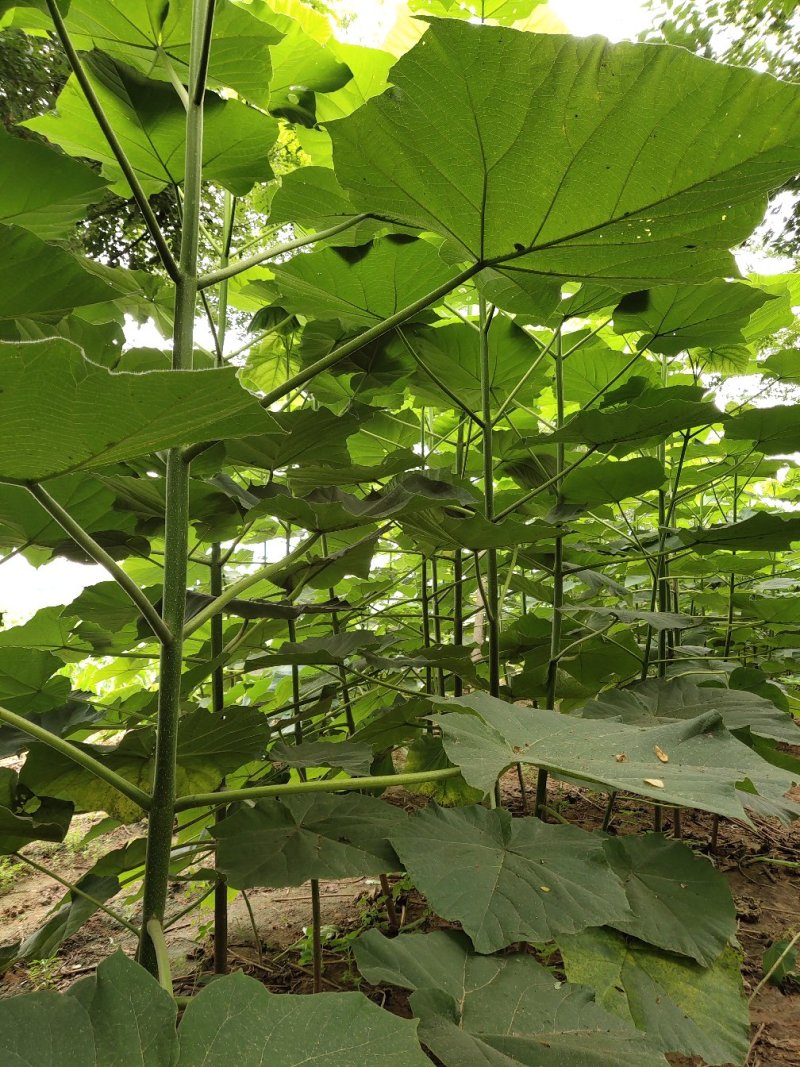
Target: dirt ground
(274,945)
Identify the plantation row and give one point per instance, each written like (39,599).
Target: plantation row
(449,494)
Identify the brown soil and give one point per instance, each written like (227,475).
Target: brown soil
(767,897)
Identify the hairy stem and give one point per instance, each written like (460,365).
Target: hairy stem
(318,785)
(162,811)
(77,755)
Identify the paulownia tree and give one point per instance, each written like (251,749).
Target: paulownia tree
(447,494)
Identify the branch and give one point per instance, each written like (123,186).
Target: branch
(438,381)
(214,277)
(318,785)
(99,554)
(92,100)
(76,889)
(77,755)
(262,574)
(370,335)
(198,86)
(546,485)
(349,347)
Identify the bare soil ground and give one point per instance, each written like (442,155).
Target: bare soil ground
(274,945)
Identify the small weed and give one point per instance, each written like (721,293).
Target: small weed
(9,873)
(43,974)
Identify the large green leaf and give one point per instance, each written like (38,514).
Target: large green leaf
(70,913)
(42,190)
(236,1020)
(25,818)
(602,483)
(434,529)
(39,279)
(502,11)
(661,700)
(370,68)
(329,509)
(209,747)
(678,901)
(312,197)
(317,651)
(361,286)
(122,1016)
(61,413)
(498,1011)
(352,757)
(675,318)
(149,121)
(682,1006)
(29,684)
(572,157)
(151,37)
(505,879)
(774,429)
(653,415)
(307,435)
(765,531)
(302,65)
(286,842)
(452,354)
(705,761)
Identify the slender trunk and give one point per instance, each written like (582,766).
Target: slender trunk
(316,918)
(162,812)
(437,623)
(217,677)
(491,605)
(337,628)
(218,705)
(558,577)
(458,574)
(732,576)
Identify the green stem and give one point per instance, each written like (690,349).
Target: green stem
(316,935)
(558,571)
(162,812)
(458,572)
(491,599)
(155,933)
(76,889)
(732,577)
(99,555)
(263,574)
(218,706)
(368,336)
(216,586)
(349,347)
(426,618)
(125,166)
(437,623)
(318,785)
(546,485)
(230,270)
(77,755)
